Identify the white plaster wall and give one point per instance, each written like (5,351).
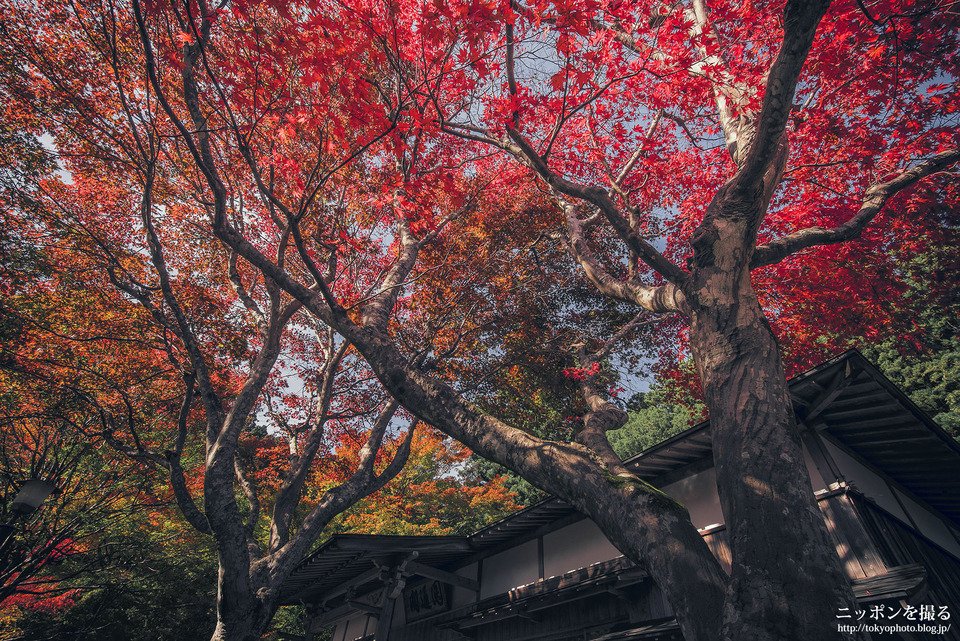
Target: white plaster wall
(698,493)
(575,546)
(463,596)
(510,569)
(816,480)
(869,484)
(931,526)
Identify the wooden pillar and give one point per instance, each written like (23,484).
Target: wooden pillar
(393,588)
(385,619)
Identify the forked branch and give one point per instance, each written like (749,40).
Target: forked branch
(661,299)
(598,197)
(363,482)
(602,415)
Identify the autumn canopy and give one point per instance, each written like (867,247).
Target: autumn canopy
(348,218)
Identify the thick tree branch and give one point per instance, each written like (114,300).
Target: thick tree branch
(726,237)
(222,431)
(603,415)
(364,481)
(800,21)
(368,453)
(250,490)
(730,99)
(195,517)
(873,201)
(566,470)
(376,312)
(511,76)
(178,482)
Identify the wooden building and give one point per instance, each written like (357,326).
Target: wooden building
(887,480)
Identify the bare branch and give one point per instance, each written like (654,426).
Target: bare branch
(170,461)
(290,490)
(188,380)
(245,298)
(631,163)
(640,320)
(246,398)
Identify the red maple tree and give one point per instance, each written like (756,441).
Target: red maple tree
(322,154)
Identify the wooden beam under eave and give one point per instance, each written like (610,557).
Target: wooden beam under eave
(840,381)
(343,588)
(365,607)
(440,575)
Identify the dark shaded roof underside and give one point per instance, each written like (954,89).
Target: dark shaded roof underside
(874,419)
(357,558)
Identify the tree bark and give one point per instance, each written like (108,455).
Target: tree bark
(786,574)
(246,624)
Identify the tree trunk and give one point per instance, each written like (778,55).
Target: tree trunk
(786,573)
(655,531)
(243,627)
(241,615)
